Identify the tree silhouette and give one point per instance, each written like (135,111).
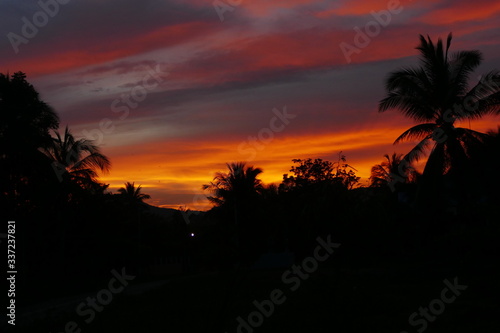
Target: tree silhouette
(134,200)
(25,119)
(132,194)
(240,184)
(390,169)
(25,122)
(76,160)
(437,95)
(316,172)
(236,194)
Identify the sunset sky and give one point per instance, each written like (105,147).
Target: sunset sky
(172,92)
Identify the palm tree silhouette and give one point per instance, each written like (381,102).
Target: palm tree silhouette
(133,194)
(238,185)
(134,199)
(237,192)
(437,95)
(384,173)
(78,160)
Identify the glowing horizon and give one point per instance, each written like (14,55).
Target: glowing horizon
(217,83)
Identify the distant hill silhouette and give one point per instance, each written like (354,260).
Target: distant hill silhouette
(167,212)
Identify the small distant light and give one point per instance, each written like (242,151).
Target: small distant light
(192,235)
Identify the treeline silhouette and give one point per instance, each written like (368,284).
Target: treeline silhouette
(72,231)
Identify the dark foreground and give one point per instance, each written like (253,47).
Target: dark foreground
(377,298)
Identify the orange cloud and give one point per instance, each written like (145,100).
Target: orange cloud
(173,172)
(182,167)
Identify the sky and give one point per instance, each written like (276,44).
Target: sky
(172,90)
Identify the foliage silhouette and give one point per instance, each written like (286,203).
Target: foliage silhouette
(132,194)
(391,169)
(81,231)
(238,185)
(25,122)
(317,171)
(76,161)
(237,194)
(436,94)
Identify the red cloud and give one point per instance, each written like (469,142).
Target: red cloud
(460,11)
(58,58)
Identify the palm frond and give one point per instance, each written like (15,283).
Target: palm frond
(417,132)
(416,153)
(462,65)
(412,107)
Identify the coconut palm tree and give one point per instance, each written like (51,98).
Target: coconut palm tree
(77,161)
(390,171)
(237,194)
(133,194)
(436,94)
(134,201)
(240,184)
